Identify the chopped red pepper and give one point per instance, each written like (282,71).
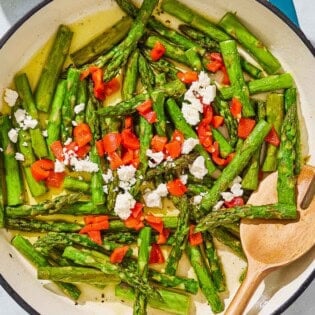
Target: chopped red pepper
(82,134)
(162,237)
(215,62)
(157,51)
(145,107)
(245,127)
(129,140)
(111,86)
(158,143)
(217,121)
(226,79)
(95,236)
(176,187)
(40,169)
(82,152)
(155,222)
(111,142)
(151,117)
(100,148)
(118,254)
(194,238)
(57,150)
(134,223)
(173,149)
(96,226)
(128,122)
(156,255)
(178,136)
(236,201)
(137,212)
(114,160)
(236,108)
(216,155)
(55,179)
(188,77)
(273,137)
(89,219)
(99,85)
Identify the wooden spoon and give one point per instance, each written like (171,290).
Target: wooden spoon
(270,244)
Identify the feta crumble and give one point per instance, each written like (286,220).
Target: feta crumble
(189,145)
(84,165)
(123,205)
(13,135)
(108,177)
(10,97)
(45,133)
(59,167)
(126,172)
(153,198)
(183,178)
(155,158)
(196,200)
(79,108)
(197,168)
(19,156)
(24,144)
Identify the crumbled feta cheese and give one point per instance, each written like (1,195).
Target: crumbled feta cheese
(29,123)
(236,180)
(155,158)
(45,133)
(68,141)
(13,135)
(1,149)
(237,190)
(123,205)
(105,189)
(25,144)
(197,199)
(227,196)
(191,114)
(20,115)
(198,168)
(208,94)
(59,167)
(218,205)
(162,190)
(19,156)
(183,178)
(83,165)
(126,172)
(189,145)
(74,123)
(152,199)
(79,108)
(10,97)
(108,177)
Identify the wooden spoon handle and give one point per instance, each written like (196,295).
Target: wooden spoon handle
(255,274)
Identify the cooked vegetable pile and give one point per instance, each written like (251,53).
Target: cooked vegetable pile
(188,131)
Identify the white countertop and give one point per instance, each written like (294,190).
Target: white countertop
(12,10)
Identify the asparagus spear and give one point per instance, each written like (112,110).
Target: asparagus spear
(290,101)
(75,184)
(128,44)
(53,66)
(102,43)
(147,75)
(144,240)
(232,63)
(266,84)
(54,120)
(181,124)
(228,239)
(171,301)
(224,146)
(180,236)
(286,157)
(82,98)
(28,103)
(238,163)
(192,18)
(100,261)
(217,273)
(2,190)
(173,88)
(130,77)
(233,26)
(274,114)
(159,27)
(231,215)
(46,207)
(13,180)
(204,278)
(73,77)
(28,251)
(73,274)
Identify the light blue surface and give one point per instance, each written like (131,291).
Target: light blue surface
(12,10)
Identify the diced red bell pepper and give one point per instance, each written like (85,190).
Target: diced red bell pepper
(89,219)
(100,147)
(215,62)
(188,77)
(155,222)
(128,122)
(99,85)
(245,127)
(236,201)
(134,223)
(217,121)
(173,149)
(129,140)
(176,187)
(216,155)
(236,108)
(156,255)
(96,226)
(82,134)
(145,107)
(118,254)
(115,160)
(151,116)
(137,212)
(41,169)
(194,238)
(111,142)
(273,137)
(95,236)
(157,51)
(57,150)
(178,136)
(162,237)
(55,180)
(158,143)
(225,79)
(111,86)
(82,152)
